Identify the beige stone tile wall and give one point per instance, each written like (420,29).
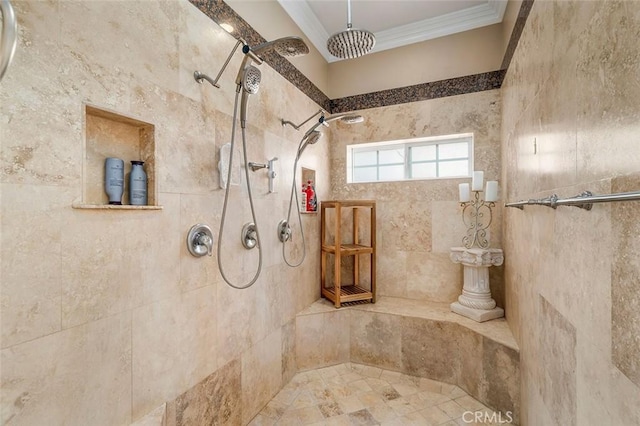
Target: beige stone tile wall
(570,102)
(105,315)
(419,221)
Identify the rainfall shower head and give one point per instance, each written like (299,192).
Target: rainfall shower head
(350,43)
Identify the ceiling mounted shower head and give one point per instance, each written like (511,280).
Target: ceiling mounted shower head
(351,43)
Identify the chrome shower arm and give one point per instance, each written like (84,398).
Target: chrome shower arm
(297,127)
(9,38)
(198,76)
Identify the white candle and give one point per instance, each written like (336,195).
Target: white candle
(463,188)
(478,181)
(491,192)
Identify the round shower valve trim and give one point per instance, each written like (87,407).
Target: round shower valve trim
(200,240)
(249,235)
(284,231)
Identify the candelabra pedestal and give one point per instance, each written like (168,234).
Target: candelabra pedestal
(475,302)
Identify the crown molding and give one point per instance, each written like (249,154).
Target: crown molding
(471,18)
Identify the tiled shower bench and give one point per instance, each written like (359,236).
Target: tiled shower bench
(415,338)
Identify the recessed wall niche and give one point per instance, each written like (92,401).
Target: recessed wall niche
(308,175)
(109,134)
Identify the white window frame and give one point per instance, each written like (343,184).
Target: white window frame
(407,144)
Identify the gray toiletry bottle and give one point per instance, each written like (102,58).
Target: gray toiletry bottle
(114,179)
(137,184)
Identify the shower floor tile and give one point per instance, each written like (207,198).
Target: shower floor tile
(352,395)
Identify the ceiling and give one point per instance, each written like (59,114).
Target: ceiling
(395,23)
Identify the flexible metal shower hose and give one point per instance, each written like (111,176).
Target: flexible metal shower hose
(294,193)
(226,199)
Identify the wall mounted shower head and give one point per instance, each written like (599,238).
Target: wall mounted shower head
(285,46)
(345,118)
(352,119)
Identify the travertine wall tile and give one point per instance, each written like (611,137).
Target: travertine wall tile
(322,339)
(376,340)
(70,376)
(289,366)
(30,284)
(418,217)
(215,400)
(428,347)
(500,383)
(625,303)
(261,374)
(66,269)
(570,102)
(174,347)
(558,385)
(433,277)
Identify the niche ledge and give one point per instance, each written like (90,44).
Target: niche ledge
(113,207)
(110,134)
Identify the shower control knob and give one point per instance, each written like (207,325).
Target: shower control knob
(249,235)
(200,240)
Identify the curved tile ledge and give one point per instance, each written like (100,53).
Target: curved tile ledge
(416,338)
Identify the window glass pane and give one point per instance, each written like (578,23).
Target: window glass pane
(392,172)
(364,158)
(423,153)
(424,170)
(454,168)
(454,150)
(365,174)
(390,156)
(424,158)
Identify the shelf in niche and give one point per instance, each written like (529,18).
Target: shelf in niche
(111,134)
(113,207)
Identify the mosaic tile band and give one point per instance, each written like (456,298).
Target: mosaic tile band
(221,12)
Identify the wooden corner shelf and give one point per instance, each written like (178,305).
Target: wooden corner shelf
(337,291)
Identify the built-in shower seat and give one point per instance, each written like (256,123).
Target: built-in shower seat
(417,338)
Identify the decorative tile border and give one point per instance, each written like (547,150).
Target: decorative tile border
(220,13)
(518,27)
(420,92)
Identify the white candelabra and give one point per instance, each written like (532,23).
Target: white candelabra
(475,302)
(476,213)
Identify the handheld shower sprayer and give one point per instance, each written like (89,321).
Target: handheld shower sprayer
(310,137)
(248,83)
